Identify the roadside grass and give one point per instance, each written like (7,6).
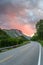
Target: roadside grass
(41,42)
(26,42)
(0,51)
(15,46)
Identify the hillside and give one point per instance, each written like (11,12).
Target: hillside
(14,32)
(11,37)
(3,34)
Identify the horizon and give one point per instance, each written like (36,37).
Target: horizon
(18,29)
(21,14)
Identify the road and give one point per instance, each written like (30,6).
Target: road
(42,56)
(24,55)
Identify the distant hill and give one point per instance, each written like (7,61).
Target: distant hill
(3,34)
(12,37)
(13,33)
(16,33)
(27,37)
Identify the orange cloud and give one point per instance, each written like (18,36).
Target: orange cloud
(25,28)
(28,30)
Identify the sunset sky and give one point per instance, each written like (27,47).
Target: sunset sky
(21,14)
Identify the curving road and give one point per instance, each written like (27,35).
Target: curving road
(28,54)
(42,56)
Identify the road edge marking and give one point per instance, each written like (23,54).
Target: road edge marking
(39,60)
(5,59)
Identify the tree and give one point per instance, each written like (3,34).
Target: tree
(39,28)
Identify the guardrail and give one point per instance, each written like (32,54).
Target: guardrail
(8,47)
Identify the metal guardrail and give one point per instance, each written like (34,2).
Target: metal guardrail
(8,47)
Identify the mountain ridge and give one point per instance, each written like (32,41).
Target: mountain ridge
(16,33)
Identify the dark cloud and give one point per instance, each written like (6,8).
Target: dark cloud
(26,11)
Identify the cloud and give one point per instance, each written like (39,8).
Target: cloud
(22,12)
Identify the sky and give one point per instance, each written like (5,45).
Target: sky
(21,14)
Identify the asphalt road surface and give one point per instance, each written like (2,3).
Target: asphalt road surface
(28,54)
(42,56)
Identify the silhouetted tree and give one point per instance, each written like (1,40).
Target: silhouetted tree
(39,28)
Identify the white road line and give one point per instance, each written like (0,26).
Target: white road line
(39,60)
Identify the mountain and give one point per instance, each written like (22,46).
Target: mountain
(27,37)
(3,34)
(14,32)
(12,37)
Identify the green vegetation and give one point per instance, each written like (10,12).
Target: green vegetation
(6,40)
(41,41)
(39,32)
(3,35)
